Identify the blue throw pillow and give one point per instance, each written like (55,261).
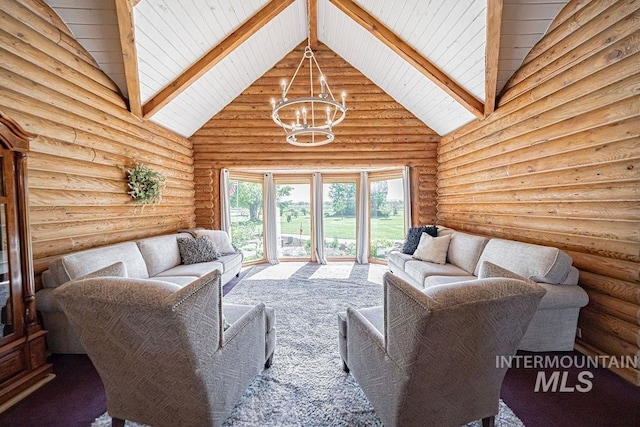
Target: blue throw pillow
(413,237)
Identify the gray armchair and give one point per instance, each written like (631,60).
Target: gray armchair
(428,358)
(162,351)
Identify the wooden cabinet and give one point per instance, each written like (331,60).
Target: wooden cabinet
(22,342)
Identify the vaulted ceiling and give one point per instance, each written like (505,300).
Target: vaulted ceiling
(181,62)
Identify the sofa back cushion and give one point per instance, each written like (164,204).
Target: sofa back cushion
(77,264)
(544,264)
(161,253)
(465,250)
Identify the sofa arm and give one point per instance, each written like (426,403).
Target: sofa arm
(249,320)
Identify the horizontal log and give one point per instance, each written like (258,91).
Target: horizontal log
(258,107)
(548,96)
(302,164)
(597,228)
(606,105)
(352,113)
(91,129)
(339,131)
(561,164)
(530,149)
(249,149)
(203,142)
(609,343)
(569,192)
(593,319)
(629,374)
(562,26)
(59,93)
(614,268)
(593,210)
(52,214)
(48,38)
(615,307)
(583,42)
(623,290)
(72,244)
(568,242)
(267,123)
(31,59)
(623,170)
(48,197)
(43,161)
(346,155)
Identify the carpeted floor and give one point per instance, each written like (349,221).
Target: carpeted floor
(306,385)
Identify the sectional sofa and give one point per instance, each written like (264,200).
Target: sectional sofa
(153,258)
(553,327)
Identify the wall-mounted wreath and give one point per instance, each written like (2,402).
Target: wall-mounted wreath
(145,184)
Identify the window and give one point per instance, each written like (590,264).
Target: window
(386,213)
(339,212)
(246,206)
(294,217)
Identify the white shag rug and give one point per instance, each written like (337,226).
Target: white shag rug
(306,385)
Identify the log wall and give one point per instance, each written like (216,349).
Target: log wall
(77,190)
(558,164)
(376,132)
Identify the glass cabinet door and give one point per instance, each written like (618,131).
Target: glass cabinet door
(6,312)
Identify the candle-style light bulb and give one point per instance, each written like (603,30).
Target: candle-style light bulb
(298,117)
(283,84)
(304,115)
(344,98)
(322,84)
(273,103)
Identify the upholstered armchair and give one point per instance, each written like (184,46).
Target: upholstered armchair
(428,357)
(162,351)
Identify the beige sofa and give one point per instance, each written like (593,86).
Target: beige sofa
(155,258)
(553,327)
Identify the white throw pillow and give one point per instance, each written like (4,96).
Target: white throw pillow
(433,249)
(220,239)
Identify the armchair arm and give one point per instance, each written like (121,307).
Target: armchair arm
(246,321)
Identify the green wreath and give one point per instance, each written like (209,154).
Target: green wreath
(145,184)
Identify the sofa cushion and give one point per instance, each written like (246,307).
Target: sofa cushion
(231,262)
(80,263)
(465,250)
(160,253)
(398,258)
(432,249)
(196,270)
(419,270)
(197,250)
(414,234)
(539,263)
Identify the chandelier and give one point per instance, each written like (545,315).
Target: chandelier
(308,121)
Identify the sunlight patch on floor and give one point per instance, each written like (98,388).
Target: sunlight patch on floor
(282,271)
(333,270)
(375,273)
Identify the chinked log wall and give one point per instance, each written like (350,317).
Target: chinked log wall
(377,132)
(558,162)
(77,190)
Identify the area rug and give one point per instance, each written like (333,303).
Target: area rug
(306,385)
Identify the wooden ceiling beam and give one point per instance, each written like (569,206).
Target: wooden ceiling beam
(126,28)
(214,56)
(409,54)
(492,54)
(313,24)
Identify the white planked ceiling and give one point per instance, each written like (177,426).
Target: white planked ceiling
(172,35)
